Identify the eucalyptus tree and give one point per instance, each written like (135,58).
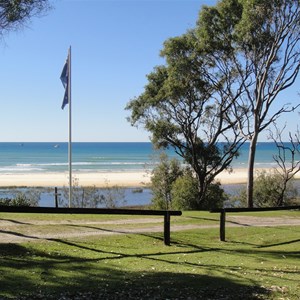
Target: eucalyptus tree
(15,13)
(222,76)
(183,107)
(259,39)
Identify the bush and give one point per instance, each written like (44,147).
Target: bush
(20,200)
(5,201)
(215,197)
(164,175)
(268,190)
(176,187)
(184,193)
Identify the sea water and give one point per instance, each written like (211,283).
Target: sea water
(102,157)
(26,158)
(86,157)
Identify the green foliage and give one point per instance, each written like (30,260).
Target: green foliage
(215,26)
(176,187)
(14,13)
(21,199)
(219,83)
(163,176)
(185,193)
(187,105)
(268,188)
(254,31)
(215,196)
(255,44)
(250,27)
(5,201)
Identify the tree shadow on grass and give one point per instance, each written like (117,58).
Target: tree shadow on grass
(90,279)
(113,231)
(269,245)
(15,221)
(238,223)
(96,271)
(18,234)
(202,218)
(279,244)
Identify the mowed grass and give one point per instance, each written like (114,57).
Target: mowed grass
(254,263)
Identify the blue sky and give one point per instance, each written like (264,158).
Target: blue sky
(115,44)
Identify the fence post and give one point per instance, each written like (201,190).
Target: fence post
(222,225)
(56,197)
(167,228)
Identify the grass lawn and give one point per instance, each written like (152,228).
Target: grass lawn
(254,263)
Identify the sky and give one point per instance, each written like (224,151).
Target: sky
(115,44)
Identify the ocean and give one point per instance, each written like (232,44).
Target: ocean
(86,157)
(101,157)
(16,158)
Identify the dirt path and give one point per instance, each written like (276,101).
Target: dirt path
(12,231)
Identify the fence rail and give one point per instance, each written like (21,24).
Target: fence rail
(108,211)
(223,212)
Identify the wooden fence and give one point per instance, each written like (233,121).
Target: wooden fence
(53,210)
(223,211)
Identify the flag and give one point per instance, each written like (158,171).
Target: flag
(64,77)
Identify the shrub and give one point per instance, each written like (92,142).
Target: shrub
(163,177)
(215,196)
(20,199)
(184,193)
(176,187)
(5,201)
(268,189)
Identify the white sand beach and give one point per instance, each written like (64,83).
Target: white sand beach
(124,179)
(101,179)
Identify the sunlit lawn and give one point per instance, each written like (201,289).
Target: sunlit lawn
(254,263)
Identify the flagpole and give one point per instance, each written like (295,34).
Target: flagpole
(70,130)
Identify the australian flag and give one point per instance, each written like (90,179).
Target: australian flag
(64,77)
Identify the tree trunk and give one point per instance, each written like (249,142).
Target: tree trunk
(250,184)
(201,188)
